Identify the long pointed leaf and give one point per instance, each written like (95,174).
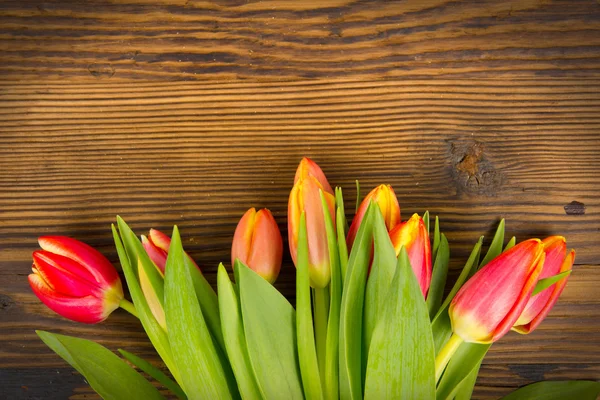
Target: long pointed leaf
(380,278)
(436,237)
(549,281)
(426,221)
(438,278)
(511,243)
(155,332)
(341,226)
(201,371)
(154,373)
(467,359)
(465,388)
(233,335)
(401,355)
(331,382)
(106,373)
(351,314)
(270,326)
(496,245)
(307,352)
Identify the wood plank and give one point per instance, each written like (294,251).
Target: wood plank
(175,39)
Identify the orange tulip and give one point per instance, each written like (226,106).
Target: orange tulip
(413,235)
(489,304)
(305,197)
(557,261)
(308,167)
(385,198)
(257,243)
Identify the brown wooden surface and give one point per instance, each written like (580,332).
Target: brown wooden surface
(188,113)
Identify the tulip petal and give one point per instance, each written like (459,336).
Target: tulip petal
(159,239)
(96,264)
(61,274)
(157,255)
(489,303)
(308,167)
(242,238)
(267,246)
(88,309)
(557,289)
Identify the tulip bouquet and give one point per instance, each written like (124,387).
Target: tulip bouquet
(370,319)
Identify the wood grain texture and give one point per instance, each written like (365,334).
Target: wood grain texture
(174,39)
(473,110)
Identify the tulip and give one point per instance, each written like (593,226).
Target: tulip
(305,197)
(413,235)
(308,167)
(257,243)
(539,306)
(489,304)
(157,247)
(385,198)
(75,280)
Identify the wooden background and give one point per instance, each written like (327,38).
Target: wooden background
(188,112)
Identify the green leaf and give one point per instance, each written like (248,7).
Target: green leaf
(465,388)
(106,373)
(307,352)
(209,304)
(401,355)
(270,326)
(135,252)
(341,227)
(351,314)
(233,335)
(496,245)
(154,373)
(438,278)
(202,374)
(511,243)
(156,334)
(441,327)
(426,221)
(436,238)
(358,199)
(547,282)
(331,382)
(380,278)
(557,390)
(467,359)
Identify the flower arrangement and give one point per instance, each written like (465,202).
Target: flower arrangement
(370,320)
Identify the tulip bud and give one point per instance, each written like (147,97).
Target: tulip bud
(413,235)
(75,280)
(385,198)
(305,197)
(257,243)
(489,304)
(157,247)
(539,306)
(308,167)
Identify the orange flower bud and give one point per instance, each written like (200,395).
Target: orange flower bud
(538,306)
(413,235)
(385,198)
(308,167)
(305,196)
(257,243)
(489,304)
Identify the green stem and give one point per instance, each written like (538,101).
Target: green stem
(129,307)
(446,354)
(321,315)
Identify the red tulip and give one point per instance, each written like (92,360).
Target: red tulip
(557,261)
(75,280)
(489,304)
(385,198)
(413,235)
(157,247)
(305,196)
(257,243)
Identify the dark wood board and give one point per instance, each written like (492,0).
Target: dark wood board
(475,111)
